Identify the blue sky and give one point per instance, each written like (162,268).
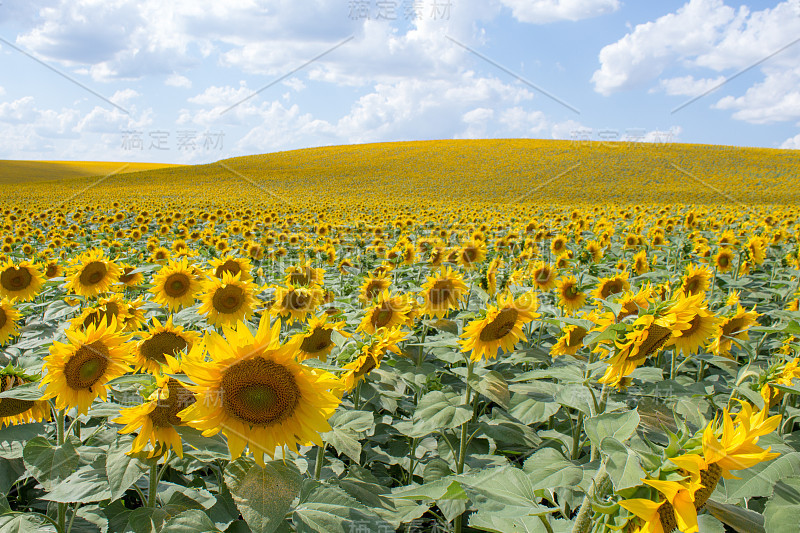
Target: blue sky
(152,80)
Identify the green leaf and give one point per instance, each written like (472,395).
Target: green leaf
(446,488)
(359,421)
(781,512)
(145,520)
(623,466)
(12,438)
(330,509)
(189,521)
(122,470)
(760,479)
(24,523)
(488,521)
(50,464)
(88,484)
(29,391)
(741,520)
(620,426)
(492,385)
(577,397)
(263,494)
(530,410)
(439,410)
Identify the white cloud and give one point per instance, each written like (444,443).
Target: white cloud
(688,86)
(545,11)
(650,48)
(176,80)
(792,143)
(776,99)
(707,34)
(2,91)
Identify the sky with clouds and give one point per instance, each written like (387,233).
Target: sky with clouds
(193,81)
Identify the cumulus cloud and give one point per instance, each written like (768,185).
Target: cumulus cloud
(707,34)
(792,143)
(176,80)
(545,11)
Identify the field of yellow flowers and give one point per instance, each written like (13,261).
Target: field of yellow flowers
(503,336)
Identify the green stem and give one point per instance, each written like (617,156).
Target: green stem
(546,523)
(153,490)
(357,396)
(62,507)
(576,436)
(462,449)
(583,522)
(672,364)
(72,518)
(320,461)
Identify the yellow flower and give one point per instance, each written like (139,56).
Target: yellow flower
(443,293)
(296,303)
(315,341)
(255,393)
(543,276)
(570,341)
(501,328)
(155,419)
(613,285)
(14,411)
(570,297)
(161,341)
(8,321)
(92,274)
(371,355)
(175,286)
(732,328)
(231,265)
(227,300)
(305,274)
(696,280)
(21,282)
(387,312)
(77,372)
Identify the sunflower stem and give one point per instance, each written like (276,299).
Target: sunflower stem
(62,507)
(583,522)
(72,518)
(320,460)
(153,490)
(673,364)
(546,523)
(357,396)
(462,449)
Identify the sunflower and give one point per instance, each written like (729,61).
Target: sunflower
(296,303)
(543,276)
(632,302)
(649,334)
(105,311)
(501,328)
(723,261)
(315,341)
(134,319)
(732,328)
(388,312)
(372,287)
(701,327)
(558,245)
(227,300)
(443,293)
(22,281)
(53,270)
(613,285)
(8,320)
(14,411)
(159,342)
(128,275)
(232,265)
(92,274)
(77,372)
(756,249)
(155,420)
(371,356)
(255,393)
(471,253)
(696,280)
(175,285)
(570,341)
(304,274)
(570,297)
(640,263)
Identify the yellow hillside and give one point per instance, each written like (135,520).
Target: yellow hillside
(505,171)
(31,171)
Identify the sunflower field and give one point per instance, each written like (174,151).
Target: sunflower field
(503,336)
